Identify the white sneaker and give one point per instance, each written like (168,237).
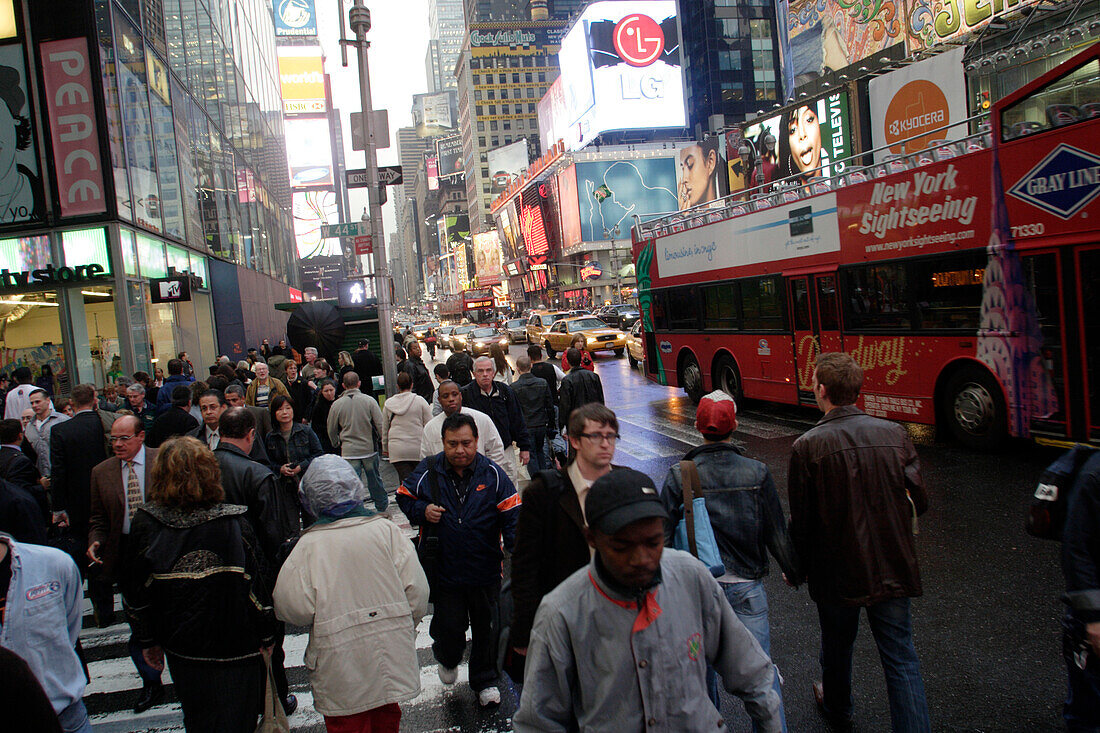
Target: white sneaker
(489,696)
(448,675)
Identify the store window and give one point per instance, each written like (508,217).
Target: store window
(134,94)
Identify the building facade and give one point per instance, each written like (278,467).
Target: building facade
(149,172)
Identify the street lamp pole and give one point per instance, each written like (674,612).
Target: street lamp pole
(359,17)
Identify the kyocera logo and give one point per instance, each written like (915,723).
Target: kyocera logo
(639,40)
(918,107)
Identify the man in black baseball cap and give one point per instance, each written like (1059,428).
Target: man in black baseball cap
(636,629)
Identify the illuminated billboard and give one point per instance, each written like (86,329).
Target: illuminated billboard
(506,164)
(302,79)
(809,140)
(311,209)
(309,152)
(822,36)
(487,264)
(621,70)
(611,192)
(449,152)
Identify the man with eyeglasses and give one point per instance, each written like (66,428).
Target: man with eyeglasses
(550,541)
(118,489)
(580,387)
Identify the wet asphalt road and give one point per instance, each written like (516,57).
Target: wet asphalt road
(986,629)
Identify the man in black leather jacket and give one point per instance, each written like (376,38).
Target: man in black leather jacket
(536,402)
(579,387)
(415,368)
(1081,623)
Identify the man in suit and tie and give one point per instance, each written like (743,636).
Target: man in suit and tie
(118,489)
(76,447)
(16,468)
(212,404)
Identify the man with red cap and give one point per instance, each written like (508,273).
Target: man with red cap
(745,514)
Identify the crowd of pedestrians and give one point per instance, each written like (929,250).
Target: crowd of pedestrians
(224,509)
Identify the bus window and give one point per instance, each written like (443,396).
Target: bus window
(1065,101)
(827,302)
(800,295)
(762,304)
(877,297)
(720,307)
(948,291)
(1090,312)
(683,307)
(1041,276)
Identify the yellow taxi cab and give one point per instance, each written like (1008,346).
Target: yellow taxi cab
(539,322)
(635,346)
(598,336)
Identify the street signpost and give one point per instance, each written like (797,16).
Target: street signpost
(388,175)
(346,229)
(363,245)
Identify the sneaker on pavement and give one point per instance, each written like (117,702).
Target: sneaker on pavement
(448,675)
(489,696)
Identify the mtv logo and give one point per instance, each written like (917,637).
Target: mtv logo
(1062,183)
(171,290)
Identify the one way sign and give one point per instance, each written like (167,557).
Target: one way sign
(388,175)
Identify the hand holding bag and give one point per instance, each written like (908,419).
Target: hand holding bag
(694,532)
(427,547)
(274,720)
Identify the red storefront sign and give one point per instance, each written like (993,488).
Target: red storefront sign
(71,102)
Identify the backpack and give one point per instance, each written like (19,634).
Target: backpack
(1046,517)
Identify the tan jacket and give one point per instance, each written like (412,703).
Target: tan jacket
(352,421)
(359,586)
(276,385)
(403,421)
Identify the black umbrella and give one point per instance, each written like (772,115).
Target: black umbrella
(316,324)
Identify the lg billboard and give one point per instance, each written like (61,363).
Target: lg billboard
(621,69)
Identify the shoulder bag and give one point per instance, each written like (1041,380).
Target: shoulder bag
(694,533)
(427,547)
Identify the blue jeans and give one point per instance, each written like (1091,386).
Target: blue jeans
(539,457)
(74,719)
(750,603)
(149,676)
(891,625)
(367,471)
(1082,708)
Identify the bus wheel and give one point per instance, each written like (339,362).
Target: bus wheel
(974,409)
(728,379)
(550,350)
(691,378)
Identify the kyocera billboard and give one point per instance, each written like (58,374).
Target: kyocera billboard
(621,70)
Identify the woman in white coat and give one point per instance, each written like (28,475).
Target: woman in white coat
(354,579)
(403,419)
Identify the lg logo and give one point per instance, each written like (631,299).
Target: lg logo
(639,40)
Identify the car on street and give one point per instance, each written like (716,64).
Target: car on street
(635,346)
(444,334)
(539,322)
(597,334)
(458,336)
(482,338)
(622,315)
(516,330)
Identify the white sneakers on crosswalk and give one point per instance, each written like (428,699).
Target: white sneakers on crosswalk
(448,675)
(488,696)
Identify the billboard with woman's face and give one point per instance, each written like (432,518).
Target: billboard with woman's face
(698,173)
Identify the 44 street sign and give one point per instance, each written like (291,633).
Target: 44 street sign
(347,229)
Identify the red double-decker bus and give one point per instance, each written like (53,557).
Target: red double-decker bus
(965,280)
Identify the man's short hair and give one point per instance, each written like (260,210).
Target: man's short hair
(175,366)
(523,364)
(534,351)
(217,382)
(181,355)
(595,412)
(485,359)
(236,422)
(22,375)
(181,396)
(123,382)
(841,375)
(83,395)
(454,422)
(309,350)
(441,371)
(573,357)
(37,390)
(216,394)
(135,388)
(351,380)
(10,431)
(404,381)
(235,389)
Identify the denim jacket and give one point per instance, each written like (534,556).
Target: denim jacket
(743,506)
(42,618)
(301,448)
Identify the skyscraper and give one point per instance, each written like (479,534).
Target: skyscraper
(447,27)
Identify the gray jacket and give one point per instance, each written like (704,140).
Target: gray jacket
(39,438)
(352,422)
(588,670)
